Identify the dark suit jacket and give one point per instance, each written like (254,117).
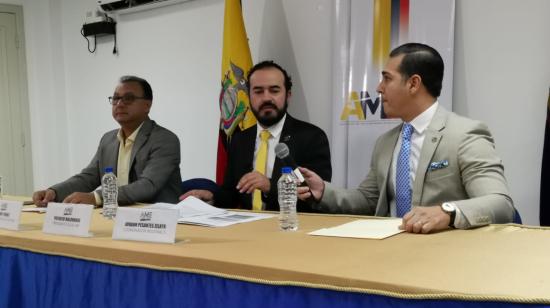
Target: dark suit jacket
(154,167)
(308,145)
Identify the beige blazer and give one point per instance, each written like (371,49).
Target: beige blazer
(458,163)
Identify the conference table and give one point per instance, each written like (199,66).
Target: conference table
(256,265)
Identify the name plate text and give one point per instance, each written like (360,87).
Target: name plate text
(10,214)
(68,219)
(147,225)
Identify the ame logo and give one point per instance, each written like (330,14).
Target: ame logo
(146,216)
(360,105)
(68,211)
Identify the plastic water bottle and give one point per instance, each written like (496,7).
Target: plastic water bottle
(287,192)
(109,190)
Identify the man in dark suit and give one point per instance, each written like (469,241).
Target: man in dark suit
(144,156)
(269,89)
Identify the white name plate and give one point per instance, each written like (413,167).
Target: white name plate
(146,225)
(68,219)
(10,214)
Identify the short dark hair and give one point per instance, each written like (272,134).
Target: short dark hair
(269,64)
(145,86)
(422,60)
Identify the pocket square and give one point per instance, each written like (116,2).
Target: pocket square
(438,165)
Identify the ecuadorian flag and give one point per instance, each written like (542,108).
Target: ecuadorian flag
(236,62)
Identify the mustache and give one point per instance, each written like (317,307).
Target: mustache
(268,104)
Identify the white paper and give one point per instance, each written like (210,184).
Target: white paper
(222,220)
(10,214)
(194,211)
(145,224)
(68,219)
(190,207)
(363,228)
(34,209)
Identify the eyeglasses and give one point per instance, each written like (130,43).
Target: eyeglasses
(125,100)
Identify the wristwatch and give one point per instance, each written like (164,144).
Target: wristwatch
(450,208)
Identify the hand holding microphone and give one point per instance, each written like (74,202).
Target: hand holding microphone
(313,191)
(283,153)
(315,186)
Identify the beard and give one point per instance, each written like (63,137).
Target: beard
(272,117)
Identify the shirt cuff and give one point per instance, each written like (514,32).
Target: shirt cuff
(460,220)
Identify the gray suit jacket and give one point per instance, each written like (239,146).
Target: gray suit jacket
(154,168)
(473,179)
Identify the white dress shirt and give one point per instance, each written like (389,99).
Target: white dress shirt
(275,131)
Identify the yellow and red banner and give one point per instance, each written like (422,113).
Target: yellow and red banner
(236,62)
(366,32)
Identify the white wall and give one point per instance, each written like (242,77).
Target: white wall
(501,76)
(181,60)
(46,85)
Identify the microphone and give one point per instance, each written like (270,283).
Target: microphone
(283,153)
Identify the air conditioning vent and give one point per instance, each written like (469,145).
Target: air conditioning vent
(131,6)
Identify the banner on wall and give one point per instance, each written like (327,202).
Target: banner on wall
(236,62)
(365,33)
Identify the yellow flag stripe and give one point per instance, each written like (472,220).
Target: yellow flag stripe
(382,32)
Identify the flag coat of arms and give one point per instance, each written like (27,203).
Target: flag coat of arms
(235,110)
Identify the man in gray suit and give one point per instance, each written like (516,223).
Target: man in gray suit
(436,170)
(144,156)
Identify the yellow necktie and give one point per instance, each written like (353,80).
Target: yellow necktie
(261,160)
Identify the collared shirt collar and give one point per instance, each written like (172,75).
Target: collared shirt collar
(423,120)
(275,130)
(129,139)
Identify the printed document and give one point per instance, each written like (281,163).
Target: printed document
(34,209)
(194,211)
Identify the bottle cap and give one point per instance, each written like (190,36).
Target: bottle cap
(108,169)
(286,170)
